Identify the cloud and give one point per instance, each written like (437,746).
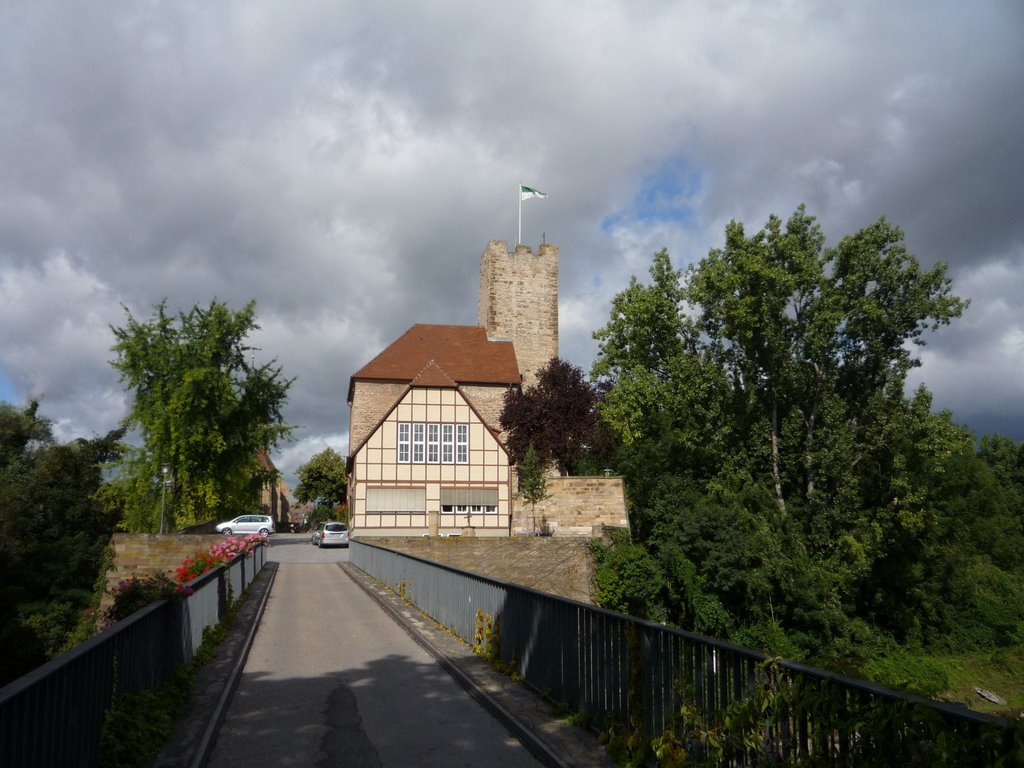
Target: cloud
(977,371)
(345,165)
(56,319)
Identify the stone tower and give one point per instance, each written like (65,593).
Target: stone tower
(519,301)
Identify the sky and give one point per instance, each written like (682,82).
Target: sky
(344,164)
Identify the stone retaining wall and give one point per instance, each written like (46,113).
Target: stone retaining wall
(146,554)
(563,567)
(576,506)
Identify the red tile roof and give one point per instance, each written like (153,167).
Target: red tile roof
(433,375)
(444,355)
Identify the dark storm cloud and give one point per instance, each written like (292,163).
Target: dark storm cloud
(345,165)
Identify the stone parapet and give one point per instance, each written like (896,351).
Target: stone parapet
(576,506)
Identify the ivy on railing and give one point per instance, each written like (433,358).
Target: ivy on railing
(792,720)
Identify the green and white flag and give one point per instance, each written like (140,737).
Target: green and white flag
(525,192)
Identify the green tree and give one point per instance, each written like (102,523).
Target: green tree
(776,371)
(815,341)
(663,399)
(533,483)
(1005,457)
(647,328)
(53,533)
(628,580)
(204,410)
(323,479)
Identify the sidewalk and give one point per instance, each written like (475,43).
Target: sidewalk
(195,733)
(552,740)
(549,738)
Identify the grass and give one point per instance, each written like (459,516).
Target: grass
(1000,671)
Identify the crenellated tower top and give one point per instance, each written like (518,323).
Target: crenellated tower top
(519,301)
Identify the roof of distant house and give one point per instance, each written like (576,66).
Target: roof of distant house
(443,356)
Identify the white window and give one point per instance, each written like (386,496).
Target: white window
(469,509)
(447,443)
(403,443)
(417,443)
(433,443)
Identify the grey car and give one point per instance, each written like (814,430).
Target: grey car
(329,534)
(261,524)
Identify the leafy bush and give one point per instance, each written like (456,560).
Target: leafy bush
(768,637)
(134,594)
(629,581)
(221,553)
(906,671)
(138,724)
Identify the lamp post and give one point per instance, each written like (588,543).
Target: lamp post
(164,470)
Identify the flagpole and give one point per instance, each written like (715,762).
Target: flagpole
(519,233)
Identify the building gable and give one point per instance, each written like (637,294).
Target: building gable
(462,352)
(416,469)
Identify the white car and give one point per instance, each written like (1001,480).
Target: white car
(261,524)
(329,534)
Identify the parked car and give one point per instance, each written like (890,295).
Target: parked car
(261,524)
(330,534)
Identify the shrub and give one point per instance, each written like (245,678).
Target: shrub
(131,595)
(768,637)
(629,581)
(221,553)
(907,671)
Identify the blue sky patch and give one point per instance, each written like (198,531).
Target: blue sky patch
(7,391)
(664,195)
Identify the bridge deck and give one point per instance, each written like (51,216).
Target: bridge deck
(332,679)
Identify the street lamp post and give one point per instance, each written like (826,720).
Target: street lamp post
(165,470)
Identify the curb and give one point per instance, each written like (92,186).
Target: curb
(534,743)
(202,753)
(195,733)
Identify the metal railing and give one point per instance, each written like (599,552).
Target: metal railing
(53,716)
(619,669)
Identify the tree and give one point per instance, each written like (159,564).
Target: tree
(323,479)
(776,370)
(647,328)
(814,340)
(53,533)
(557,417)
(533,483)
(204,409)
(663,399)
(1005,456)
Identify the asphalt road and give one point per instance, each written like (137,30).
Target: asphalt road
(332,680)
(296,548)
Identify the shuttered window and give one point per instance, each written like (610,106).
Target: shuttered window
(476,497)
(418,431)
(396,499)
(462,444)
(433,443)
